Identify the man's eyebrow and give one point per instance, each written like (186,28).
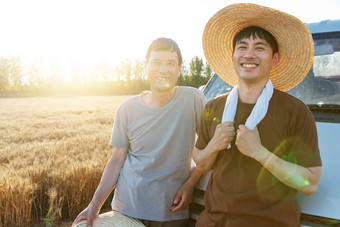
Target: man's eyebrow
(257,43)
(241,42)
(261,43)
(168,60)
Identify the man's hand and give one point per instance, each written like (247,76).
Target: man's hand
(224,134)
(249,143)
(90,213)
(183,197)
(205,159)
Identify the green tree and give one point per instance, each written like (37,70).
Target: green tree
(4,75)
(138,70)
(183,79)
(16,73)
(118,73)
(55,82)
(208,72)
(126,67)
(106,72)
(196,71)
(35,76)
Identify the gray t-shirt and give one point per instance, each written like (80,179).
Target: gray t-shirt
(160,142)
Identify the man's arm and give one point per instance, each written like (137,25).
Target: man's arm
(108,181)
(205,158)
(295,176)
(184,194)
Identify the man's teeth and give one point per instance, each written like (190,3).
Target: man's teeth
(249,65)
(162,78)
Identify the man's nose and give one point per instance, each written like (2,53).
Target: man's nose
(250,53)
(162,68)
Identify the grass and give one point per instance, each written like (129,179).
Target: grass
(52,154)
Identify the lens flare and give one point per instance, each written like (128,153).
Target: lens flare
(266,179)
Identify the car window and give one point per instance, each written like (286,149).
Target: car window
(321,86)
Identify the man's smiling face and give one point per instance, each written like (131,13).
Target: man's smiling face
(163,70)
(253,59)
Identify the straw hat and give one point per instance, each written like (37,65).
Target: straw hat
(293,37)
(110,219)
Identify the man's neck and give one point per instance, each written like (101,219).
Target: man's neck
(156,99)
(250,92)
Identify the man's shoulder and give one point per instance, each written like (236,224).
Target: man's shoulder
(290,103)
(218,100)
(285,98)
(192,93)
(129,102)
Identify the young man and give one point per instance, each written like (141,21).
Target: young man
(260,142)
(153,136)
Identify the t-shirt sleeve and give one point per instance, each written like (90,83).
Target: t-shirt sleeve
(119,136)
(304,147)
(200,101)
(203,131)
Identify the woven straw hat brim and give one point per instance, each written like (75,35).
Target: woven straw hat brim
(295,42)
(112,219)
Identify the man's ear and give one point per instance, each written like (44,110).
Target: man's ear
(276,58)
(179,71)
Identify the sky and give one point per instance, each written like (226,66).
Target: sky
(114,30)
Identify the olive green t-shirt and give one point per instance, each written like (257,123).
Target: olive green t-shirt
(241,192)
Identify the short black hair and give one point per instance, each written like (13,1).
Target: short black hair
(164,44)
(257,32)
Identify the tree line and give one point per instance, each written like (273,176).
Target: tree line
(19,79)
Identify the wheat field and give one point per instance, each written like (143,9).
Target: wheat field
(52,154)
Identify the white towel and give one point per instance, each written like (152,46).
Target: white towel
(257,114)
